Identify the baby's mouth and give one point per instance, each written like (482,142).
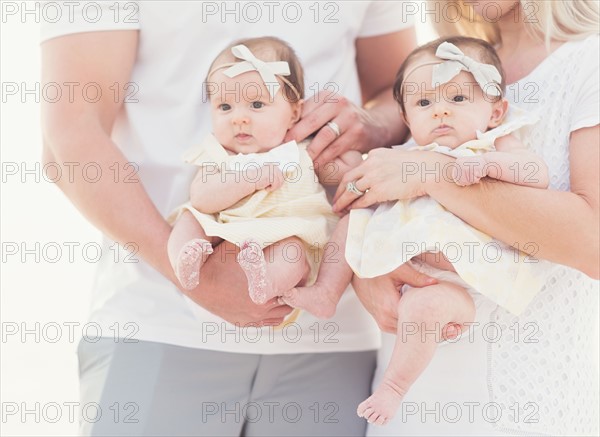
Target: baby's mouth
(442,129)
(243,137)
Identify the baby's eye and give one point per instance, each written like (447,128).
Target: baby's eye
(257,105)
(423,103)
(459,98)
(224,107)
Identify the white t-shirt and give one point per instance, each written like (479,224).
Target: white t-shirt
(165,113)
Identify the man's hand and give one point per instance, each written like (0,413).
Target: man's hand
(380,295)
(358,129)
(223,291)
(377,122)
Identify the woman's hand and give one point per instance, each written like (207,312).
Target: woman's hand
(389,174)
(358,128)
(380,295)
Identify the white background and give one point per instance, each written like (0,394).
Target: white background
(34,370)
(38,362)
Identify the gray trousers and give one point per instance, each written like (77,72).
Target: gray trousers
(147,388)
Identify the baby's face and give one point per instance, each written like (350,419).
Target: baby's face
(449,114)
(245,118)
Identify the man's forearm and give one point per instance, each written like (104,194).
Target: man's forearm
(386,112)
(115,200)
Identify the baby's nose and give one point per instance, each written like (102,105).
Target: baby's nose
(441,111)
(240,119)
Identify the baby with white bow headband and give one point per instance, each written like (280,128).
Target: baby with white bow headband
(251,189)
(451,95)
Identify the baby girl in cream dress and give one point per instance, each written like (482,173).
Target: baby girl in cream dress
(453,104)
(251,189)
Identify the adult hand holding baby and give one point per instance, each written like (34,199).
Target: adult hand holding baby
(357,128)
(380,295)
(228,303)
(390,174)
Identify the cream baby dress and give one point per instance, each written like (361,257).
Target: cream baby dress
(382,238)
(298,208)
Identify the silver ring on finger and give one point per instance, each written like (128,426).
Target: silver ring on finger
(351,188)
(334,127)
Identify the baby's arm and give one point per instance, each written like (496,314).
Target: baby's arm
(332,172)
(213,191)
(511,162)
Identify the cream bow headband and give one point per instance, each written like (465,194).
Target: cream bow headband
(487,76)
(267,70)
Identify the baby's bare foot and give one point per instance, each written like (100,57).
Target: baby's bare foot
(252,261)
(381,406)
(190,260)
(316,299)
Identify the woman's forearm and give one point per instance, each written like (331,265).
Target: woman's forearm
(559,226)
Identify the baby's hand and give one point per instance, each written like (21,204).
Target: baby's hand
(469,170)
(271,178)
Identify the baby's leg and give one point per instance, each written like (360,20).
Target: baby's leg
(188,249)
(280,267)
(422,315)
(335,274)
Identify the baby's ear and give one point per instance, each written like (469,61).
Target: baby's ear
(296,111)
(403,116)
(499,112)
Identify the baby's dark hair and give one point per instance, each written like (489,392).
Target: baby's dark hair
(478,49)
(269,49)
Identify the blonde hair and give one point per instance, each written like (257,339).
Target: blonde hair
(546,20)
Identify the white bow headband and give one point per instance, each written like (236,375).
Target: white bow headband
(487,76)
(267,70)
